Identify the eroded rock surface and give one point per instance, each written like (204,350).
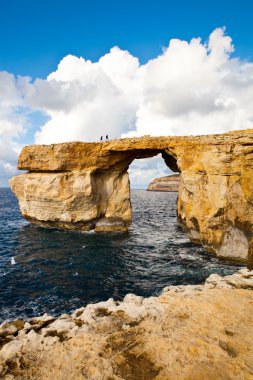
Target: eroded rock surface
(75,199)
(79,185)
(167,183)
(187,333)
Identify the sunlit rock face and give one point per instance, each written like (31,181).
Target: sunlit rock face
(191,332)
(167,183)
(86,186)
(74,200)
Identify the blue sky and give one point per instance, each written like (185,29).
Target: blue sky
(149,85)
(35,35)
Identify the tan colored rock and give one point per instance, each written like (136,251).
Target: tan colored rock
(168,183)
(73,200)
(187,333)
(75,185)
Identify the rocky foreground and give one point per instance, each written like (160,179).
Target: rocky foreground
(188,332)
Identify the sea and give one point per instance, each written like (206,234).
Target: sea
(54,271)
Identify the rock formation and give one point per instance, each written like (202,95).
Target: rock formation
(187,333)
(85,186)
(167,183)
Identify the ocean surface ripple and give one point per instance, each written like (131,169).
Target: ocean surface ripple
(53,271)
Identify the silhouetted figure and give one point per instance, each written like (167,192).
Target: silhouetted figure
(101,138)
(106,138)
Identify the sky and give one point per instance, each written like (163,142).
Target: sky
(76,70)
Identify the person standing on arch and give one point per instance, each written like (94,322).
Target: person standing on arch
(106,138)
(101,138)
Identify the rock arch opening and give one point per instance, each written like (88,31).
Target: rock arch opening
(113,188)
(143,171)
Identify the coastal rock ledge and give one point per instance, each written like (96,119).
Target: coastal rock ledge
(86,186)
(198,332)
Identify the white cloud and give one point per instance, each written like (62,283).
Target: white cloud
(195,88)
(191,88)
(142,171)
(85,100)
(12,121)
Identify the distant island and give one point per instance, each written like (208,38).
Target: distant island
(167,183)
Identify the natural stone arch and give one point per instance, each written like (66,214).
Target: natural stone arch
(86,185)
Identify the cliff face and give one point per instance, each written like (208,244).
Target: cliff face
(167,183)
(85,186)
(189,332)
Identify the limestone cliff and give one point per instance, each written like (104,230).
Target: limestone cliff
(198,332)
(167,183)
(85,185)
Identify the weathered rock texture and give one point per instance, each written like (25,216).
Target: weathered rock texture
(200,332)
(84,185)
(167,183)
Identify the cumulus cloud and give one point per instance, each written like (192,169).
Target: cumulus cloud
(85,100)
(12,119)
(193,87)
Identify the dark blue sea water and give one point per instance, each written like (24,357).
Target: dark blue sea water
(58,271)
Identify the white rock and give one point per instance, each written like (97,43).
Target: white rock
(78,312)
(60,326)
(246,273)
(213,279)
(8,329)
(65,316)
(41,319)
(11,349)
(132,298)
(33,338)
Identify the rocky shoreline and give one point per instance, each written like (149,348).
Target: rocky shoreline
(188,332)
